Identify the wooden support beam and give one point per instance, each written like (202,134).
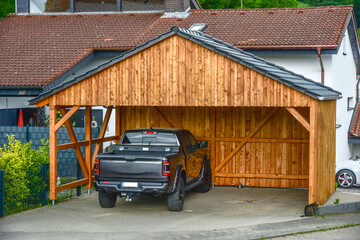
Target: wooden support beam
(71,145)
(88,148)
(105,139)
(263,140)
(101,135)
(117,124)
(164,117)
(52,151)
(66,117)
(43,102)
(262,176)
(299,117)
(246,139)
(213,141)
(84,143)
(74,140)
(72,184)
(313,150)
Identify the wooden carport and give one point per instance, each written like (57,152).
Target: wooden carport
(266,126)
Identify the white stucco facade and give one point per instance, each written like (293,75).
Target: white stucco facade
(340,74)
(15,102)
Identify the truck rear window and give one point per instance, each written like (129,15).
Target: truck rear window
(150,138)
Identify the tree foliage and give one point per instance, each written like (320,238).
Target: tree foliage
(316,3)
(22,166)
(357,11)
(6,7)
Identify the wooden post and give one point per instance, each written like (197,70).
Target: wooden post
(117,124)
(213,141)
(88,148)
(52,151)
(313,153)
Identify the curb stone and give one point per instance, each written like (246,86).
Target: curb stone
(338,208)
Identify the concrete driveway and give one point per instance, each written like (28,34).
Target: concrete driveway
(221,208)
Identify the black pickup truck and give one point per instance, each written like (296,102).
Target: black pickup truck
(153,162)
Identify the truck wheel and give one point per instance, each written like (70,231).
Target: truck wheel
(175,200)
(205,186)
(107,200)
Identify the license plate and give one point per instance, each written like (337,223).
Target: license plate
(130,184)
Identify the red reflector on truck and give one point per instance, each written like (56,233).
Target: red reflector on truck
(105,182)
(166,168)
(97,166)
(149,132)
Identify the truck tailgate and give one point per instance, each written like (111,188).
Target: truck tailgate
(131,169)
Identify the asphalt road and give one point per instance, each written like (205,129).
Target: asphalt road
(349,233)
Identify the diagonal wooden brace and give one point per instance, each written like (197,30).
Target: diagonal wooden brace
(246,139)
(73,139)
(66,117)
(299,117)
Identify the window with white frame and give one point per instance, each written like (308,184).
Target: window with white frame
(350,103)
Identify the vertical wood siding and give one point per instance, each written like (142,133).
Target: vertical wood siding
(279,148)
(178,72)
(325,162)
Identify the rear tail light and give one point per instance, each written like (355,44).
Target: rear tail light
(166,168)
(97,166)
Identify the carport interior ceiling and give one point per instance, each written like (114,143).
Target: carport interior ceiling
(263,122)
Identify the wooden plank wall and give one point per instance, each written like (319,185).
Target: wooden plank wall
(178,72)
(279,148)
(325,164)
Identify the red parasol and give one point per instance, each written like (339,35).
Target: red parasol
(21,119)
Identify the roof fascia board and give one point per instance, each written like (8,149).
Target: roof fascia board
(196,4)
(21,88)
(352,119)
(354,140)
(354,42)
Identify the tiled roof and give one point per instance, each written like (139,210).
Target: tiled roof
(280,74)
(36,49)
(354,130)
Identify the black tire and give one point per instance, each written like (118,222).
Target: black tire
(107,200)
(175,201)
(206,185)
(345,179)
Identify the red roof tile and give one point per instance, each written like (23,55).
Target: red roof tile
(36,49)
(355,127)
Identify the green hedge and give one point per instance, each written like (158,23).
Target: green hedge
(22,168)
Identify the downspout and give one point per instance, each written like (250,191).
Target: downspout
(357,88)
(321,65)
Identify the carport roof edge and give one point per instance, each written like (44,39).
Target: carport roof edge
(296,81)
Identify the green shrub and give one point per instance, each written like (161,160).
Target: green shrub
(22,168)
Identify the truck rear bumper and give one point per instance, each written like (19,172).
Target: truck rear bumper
(138,187)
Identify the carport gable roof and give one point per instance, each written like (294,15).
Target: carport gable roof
(271,70)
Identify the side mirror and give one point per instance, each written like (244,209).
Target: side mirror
(203,144)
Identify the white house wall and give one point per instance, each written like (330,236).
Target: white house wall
(340,74)
(15,102)
(344,75)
